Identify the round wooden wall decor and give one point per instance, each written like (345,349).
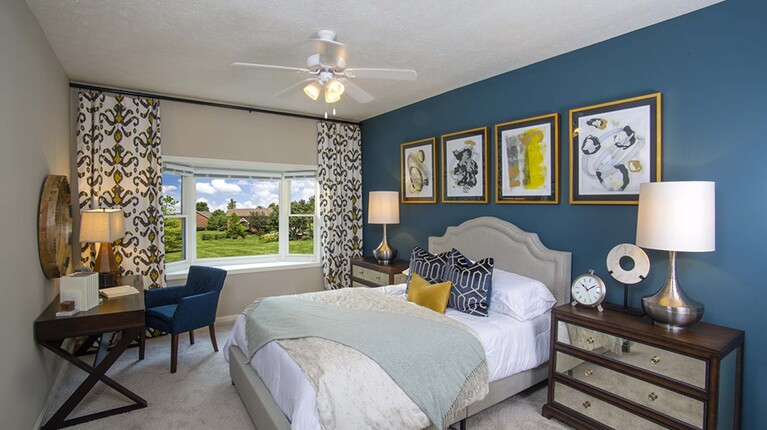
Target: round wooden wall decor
(54,226)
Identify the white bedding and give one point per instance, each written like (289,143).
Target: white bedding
(511,347)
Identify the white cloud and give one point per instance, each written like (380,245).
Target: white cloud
(203,199)
(205,188)
(168,188)
(225,187)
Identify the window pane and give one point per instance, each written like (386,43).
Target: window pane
(302,193)
(171,194)
(301,235)
(174,239)
(242,217)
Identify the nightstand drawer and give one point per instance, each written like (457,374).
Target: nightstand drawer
(378,278)
(671,403)
(653,359)
(599,410)
(399,278)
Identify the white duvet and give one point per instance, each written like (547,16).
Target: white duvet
(511,347)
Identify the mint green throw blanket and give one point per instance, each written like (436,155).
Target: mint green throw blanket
(432,362)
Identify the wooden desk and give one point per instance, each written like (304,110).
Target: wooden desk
(121,314)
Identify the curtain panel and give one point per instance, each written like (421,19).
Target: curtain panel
(340,180)
(119,166)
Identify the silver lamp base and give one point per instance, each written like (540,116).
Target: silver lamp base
(670,307)
(385,254)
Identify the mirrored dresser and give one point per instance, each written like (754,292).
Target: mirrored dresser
(614,370)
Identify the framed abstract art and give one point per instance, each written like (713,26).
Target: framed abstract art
(418,171)
(614,147)
(464,166)
(527,160)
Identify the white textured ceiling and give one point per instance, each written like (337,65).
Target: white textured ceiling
(185,47)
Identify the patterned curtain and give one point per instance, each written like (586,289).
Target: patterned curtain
(340,180)
(118,166)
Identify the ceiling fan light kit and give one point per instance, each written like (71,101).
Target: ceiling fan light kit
(313,90)
(328,67)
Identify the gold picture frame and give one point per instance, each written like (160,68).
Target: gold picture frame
(465,166)
(614,147)
(418,171)
(522,177)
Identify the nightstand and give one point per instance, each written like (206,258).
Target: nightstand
(614,370)
(368,272)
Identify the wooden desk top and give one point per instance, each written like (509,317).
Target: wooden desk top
(114,314)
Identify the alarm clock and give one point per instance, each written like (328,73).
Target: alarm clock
(588,290)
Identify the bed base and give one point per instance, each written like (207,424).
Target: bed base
(267,415)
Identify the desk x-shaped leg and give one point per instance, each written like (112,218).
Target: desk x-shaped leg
(97,373)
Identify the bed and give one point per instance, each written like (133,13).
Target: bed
(513,250)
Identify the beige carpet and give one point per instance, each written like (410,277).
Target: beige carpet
(201,395)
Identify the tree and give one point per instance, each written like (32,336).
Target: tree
(217,220)
(235,229)
(259,222)
(301,227)
(203,207)
(232,204)
(172,237)
(168,205)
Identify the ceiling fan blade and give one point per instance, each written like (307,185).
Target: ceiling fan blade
(395,74)
(293,87)
(355,92)
(270,66)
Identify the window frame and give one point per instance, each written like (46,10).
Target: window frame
(190,169)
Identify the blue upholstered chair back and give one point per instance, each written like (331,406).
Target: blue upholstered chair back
(205,279)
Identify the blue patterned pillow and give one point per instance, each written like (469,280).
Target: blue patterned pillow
(472,284)
(433,268)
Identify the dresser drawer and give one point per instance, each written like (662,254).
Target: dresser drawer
(671,403)
(672,365)
(599,410)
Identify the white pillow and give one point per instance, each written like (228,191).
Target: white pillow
(520,297)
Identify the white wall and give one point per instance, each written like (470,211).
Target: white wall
(189,130)
(34,142)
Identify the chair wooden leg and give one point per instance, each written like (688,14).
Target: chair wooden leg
(173,353)
(191,337)
(142,344)
(212,330)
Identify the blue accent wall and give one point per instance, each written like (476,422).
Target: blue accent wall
(711,66)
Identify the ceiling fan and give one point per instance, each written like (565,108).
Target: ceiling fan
(327,65)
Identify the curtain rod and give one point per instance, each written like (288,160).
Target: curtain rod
(91,87)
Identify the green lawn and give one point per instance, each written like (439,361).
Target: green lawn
(251,245)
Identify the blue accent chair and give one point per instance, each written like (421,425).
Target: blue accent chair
(184,308)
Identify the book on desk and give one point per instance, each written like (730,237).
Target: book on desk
(118,291)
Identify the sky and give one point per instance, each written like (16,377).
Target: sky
(248,193)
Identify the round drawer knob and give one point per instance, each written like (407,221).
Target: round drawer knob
(652,396)
(588,372)
(590,340)
(586,404)
(655,359)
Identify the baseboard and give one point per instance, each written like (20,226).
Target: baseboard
(68,343)
(226,319)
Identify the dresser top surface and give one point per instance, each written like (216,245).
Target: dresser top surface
(395,266)
(700,336)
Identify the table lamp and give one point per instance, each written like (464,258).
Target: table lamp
(103,226)
(383,208)
(674,217)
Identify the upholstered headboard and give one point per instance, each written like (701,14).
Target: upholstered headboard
(513,249)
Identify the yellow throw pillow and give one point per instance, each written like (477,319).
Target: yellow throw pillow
(432,296)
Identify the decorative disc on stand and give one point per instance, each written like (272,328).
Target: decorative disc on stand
(636,274)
